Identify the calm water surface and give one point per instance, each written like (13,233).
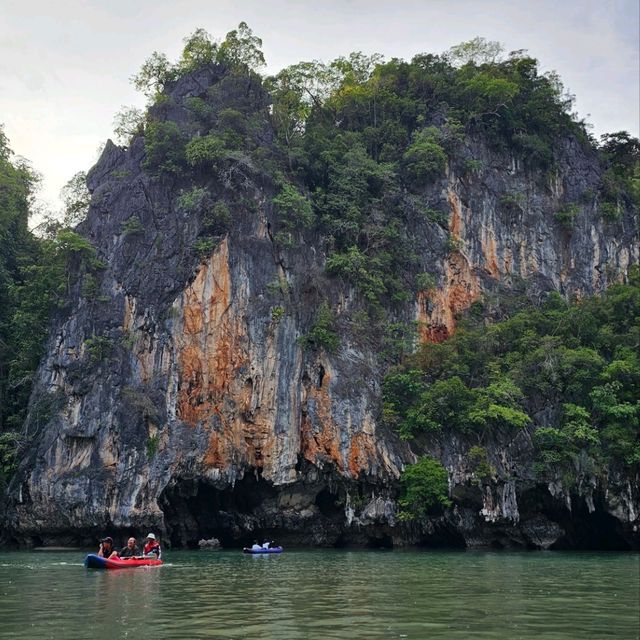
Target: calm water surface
(324,594)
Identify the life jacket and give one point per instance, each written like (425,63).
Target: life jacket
(152,547)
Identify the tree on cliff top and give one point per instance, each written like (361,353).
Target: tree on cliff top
(240,49)
(476,51)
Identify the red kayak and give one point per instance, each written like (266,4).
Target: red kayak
(92,561)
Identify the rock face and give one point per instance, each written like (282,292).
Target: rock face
(182,399)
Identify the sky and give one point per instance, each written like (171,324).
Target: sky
(65,66)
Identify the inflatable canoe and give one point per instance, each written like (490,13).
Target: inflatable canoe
(270,550)
(93,561)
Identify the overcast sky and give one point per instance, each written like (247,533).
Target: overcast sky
(65,65)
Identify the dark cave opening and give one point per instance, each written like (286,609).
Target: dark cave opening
(194,509)
(443,537)
(327,503)
(380,542)
(595,531)
(583,530)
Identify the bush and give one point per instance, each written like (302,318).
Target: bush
(132,225)
(512,201)
(536,151)
(322,334)
(217,219)
(479,462)
(566,216)
(200,109)
(10,445)
(276,314)
(193,200)
(205,151)
(425,489)
(359,269)
(98,348)
(424,161)
(152,446)
(472,165)
(452,244)
(610,211)
(204,246)
(164,145)
(425,281)
(294,209)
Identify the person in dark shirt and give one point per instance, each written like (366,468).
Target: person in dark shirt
(131,550)
(106,549)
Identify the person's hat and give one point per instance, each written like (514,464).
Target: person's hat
(107,539)
(151,536)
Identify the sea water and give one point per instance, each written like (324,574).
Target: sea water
(324,594)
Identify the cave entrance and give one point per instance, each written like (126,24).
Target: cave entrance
(196,509)
(328,504)
(595,531)
(583,530)
(443,537)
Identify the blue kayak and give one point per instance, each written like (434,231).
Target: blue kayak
(259,551)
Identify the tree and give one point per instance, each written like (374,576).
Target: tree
(289,110)
(621,149)
(76,199)
(322,335)
(18,247)
(154,75)
(241,48)
(477,51)
(164,145)
(425,488)
(128,123)
(199,50)
(424,160)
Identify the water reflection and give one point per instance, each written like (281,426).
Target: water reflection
(324,594)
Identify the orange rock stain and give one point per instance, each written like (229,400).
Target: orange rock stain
(361,453)
(321,442)
(212,359)
(437,308)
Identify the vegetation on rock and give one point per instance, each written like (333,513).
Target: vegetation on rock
(425,489)
(570,372)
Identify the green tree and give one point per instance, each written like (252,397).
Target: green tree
(154,75)
(241,48)
(477,51)
(128,123)
(199,50)
(294,209)
(164,145)
(322,334)
(424,160)
(425,489)
(76,199)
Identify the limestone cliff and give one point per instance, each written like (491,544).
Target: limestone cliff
(204,413)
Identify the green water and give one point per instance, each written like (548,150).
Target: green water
(324,594)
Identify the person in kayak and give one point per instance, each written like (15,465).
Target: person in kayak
(152,547)
(131,550)
(106,549)
(255,546)
(266,543)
